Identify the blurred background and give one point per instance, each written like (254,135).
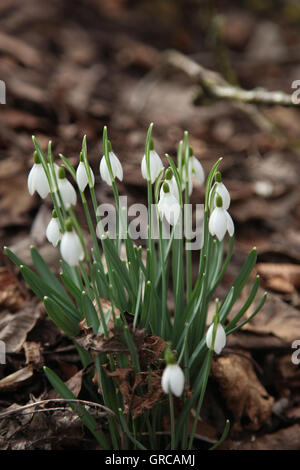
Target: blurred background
(71,67)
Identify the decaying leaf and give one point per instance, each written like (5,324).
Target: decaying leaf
(284,439)
(12,297)
(246,398)
(276,318)
(283,277)
(17,379)
(15,327)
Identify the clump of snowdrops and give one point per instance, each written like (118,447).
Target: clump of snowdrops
(136,287)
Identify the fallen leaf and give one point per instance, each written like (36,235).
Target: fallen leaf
(16,379)
(276,318)
(246,398)
(12,296)
(15,327)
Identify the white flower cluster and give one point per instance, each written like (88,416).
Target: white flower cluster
(168,206)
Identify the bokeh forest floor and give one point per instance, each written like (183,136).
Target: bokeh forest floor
(70,68)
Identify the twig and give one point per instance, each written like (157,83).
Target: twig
(215,87)
(57,400)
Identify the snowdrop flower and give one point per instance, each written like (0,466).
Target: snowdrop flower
(220,221)
(171,180)
(155,164)
(37,179)
(67,192)
(220,189)
(53,230)
(168,205)
(173,380)
(116,167)
(70,248)
(195,172)
(82,177)
(220,338)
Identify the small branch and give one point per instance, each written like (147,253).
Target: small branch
(215,87)
(57,400)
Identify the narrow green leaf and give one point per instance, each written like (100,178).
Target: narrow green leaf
(61,317)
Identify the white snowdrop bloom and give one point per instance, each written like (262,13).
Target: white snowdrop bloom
(53,230)
(70,247)
(116,167)
(220,339)
(222,191)
(37,179)
(195,173)
(82,177)
(220,221)
(67,192)
(219,189)
(173,380)
(155,165)
(168,205)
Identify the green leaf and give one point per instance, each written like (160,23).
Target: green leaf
(61,317)
(41,289)
(89,312)
(47,276)
(84,415)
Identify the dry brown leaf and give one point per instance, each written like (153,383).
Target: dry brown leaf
(245,396)
(12,297)
(33,353)
(283,277)
(15,327)
(284,439)
(276,318)
(16,379)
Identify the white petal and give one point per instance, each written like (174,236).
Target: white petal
(40,182)
(209,336)
(169,207)
(173,187)
(230,224)
(53,232)
(220,339)
(30,180)
(173,380)
(222,191)
(196,169)
(104,171)
(116,166)
(176,380)
(218,223)
(67,192)
(81,177)
(144,168)
(71,249)
(165,380)
(155,165)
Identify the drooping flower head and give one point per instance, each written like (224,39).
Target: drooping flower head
(171,180)
(168,205)
(220,338)
(53,229)
(82,176)
(155,164)
(172,380)
(37,179)
(220,221)
(195,171)
(116,167)
(67,192)
(220,189)
(70,247)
